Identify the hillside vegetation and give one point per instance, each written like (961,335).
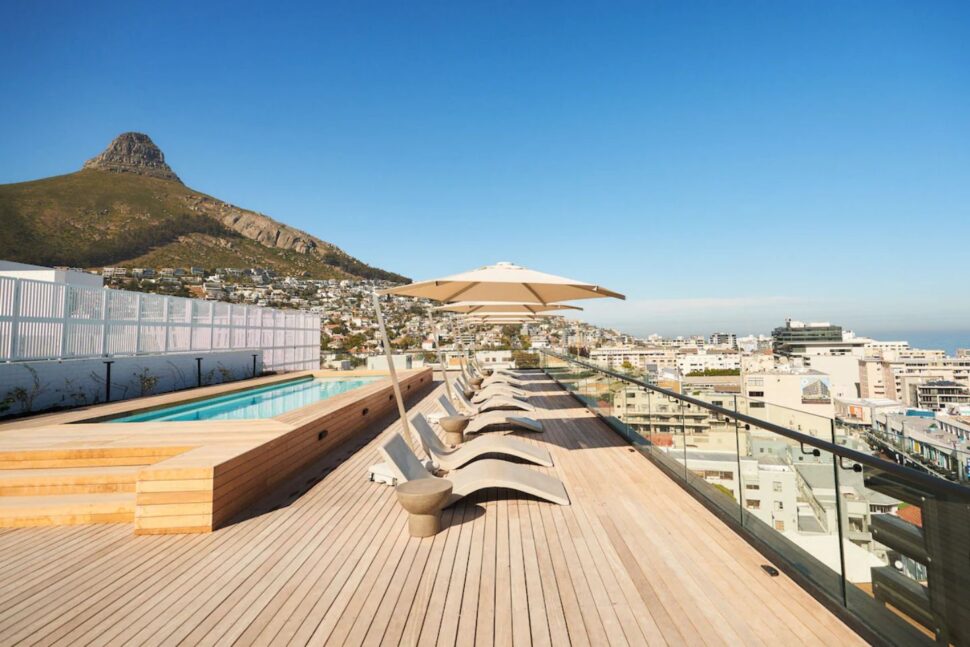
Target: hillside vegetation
(95,218)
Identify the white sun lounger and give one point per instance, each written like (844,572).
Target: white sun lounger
(497,403)
(492,390)
(450,459)
(480,421)
(509,372)
(496,378)
(502,386)
(501,380)
(486,473)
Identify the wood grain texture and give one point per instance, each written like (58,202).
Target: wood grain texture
(170,478)
(327,560)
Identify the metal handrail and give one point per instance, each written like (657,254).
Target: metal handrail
(933,484)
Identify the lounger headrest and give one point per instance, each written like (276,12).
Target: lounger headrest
(447,405)
(401,459)
(429,439)
(460,394)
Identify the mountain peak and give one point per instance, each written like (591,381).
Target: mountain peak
(133,153)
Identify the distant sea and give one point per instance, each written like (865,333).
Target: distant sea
(948,340)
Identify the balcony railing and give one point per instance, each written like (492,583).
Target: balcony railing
(886,543)
(45,320)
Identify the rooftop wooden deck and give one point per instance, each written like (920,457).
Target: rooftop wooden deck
(634,560)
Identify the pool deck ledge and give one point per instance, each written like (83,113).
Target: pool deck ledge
(185,477)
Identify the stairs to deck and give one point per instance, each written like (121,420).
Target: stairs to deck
(67,480)
(84,457)
(69,486)
(66,509)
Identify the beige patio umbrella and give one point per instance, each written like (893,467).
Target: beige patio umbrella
(500,282)
(504,282)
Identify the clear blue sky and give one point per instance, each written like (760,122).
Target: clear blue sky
(723,164)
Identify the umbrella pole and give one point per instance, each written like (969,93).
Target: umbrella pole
(390,367)
(461,358)
(441,359)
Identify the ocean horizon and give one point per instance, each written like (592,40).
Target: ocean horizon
(947,340)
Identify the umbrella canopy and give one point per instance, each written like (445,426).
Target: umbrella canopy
(508,316)
(501,320)
(503,307)
(504,282)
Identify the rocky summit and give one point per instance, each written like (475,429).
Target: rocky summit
(133,153)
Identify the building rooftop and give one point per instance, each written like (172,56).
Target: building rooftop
(819,476)
(327,559)
(786,370)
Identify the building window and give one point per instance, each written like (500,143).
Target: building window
(754,504)
(751,486)
(776,486)
(780,525)
(756,394)
(779,505)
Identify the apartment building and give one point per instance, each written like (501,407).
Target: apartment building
(800,398)
(797,338)
(667,422)
(897,379)
(861,411)
(698,362)
(728,339)
(640,358)
(858,504)
(843,371)
(937,395)
(882,349)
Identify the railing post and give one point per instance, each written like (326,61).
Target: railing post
(650,429)
(838,522)
(15,321)
(138,298)
(104,321)
(683,436)
(212,324)
(737,445)
(166,324)
(64,319)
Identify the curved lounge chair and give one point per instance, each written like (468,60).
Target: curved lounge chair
(497,403)
(479,475)
(450,459)
(502,381)
(507,372)
(496,378)
(480,421)
(493,390)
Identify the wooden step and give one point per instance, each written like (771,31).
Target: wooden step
(67,480)
(66,509)
(19,459)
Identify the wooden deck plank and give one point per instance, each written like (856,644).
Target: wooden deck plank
(451,614)
(633,560)
(468,615)
(434,609)
(485,625)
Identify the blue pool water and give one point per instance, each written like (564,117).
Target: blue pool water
(253,404)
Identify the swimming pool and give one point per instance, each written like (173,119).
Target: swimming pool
(253,404)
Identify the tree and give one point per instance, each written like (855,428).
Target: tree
(523,359)
(715,372)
